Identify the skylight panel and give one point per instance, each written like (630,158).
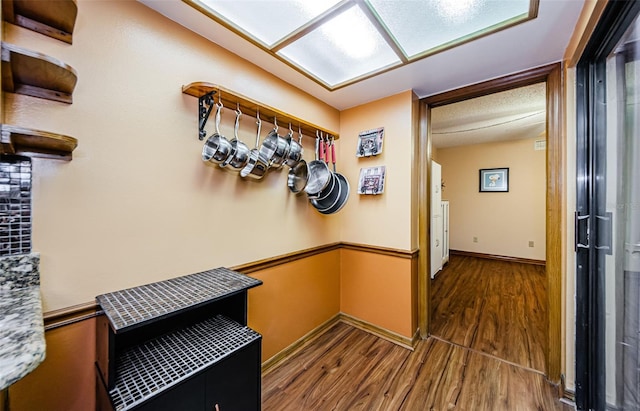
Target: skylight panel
(423,26)
(267,21)
(343,48)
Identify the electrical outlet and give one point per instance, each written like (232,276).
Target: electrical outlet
(475,239)
(530,243)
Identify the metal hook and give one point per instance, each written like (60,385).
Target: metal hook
(275,124)
(237,125)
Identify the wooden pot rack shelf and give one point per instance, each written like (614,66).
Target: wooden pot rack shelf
(36,74)
(35,143)
(231,100)
(55,19)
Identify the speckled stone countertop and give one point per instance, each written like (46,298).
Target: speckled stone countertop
(22,344)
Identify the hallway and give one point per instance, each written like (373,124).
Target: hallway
(349,369)
(495,307)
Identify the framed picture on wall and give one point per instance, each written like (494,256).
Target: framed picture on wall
(370,142)
(494,180)
(372,180)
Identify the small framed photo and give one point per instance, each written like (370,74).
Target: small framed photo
(494,180)
(370,142)
(372,180)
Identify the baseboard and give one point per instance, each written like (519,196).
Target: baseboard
(284,355)
(401,340)
(498,257)
(297,345)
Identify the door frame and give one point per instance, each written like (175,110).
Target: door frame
(553,76)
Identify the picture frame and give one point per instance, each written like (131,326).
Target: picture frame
(370,142)
(494,180)
(371,180)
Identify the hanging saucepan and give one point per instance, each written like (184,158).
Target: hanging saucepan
(319,173)
(257,165)
(239,156)
(295,148)
(217,148)
(299,173)
(282,150)
(344,187)
(331,193)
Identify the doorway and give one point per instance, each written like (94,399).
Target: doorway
(552,76)
(491,297)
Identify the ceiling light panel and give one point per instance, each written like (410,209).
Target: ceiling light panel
(345,47)
(267,21)
(421,27)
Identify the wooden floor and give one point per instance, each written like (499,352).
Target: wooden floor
(349,369)
(495,307)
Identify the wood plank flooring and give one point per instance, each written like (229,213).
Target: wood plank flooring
(487,355)
(495,307)
(349,369)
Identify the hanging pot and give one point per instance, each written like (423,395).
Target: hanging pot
(257,165)
(217,148)
(342,198)
(239,156)
(298,177)
(343,194)
(295,148)
(319,173)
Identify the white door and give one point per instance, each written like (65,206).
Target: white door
(436,218)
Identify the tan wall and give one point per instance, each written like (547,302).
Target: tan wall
(137,204)
(504,223)
(294,299)
(382,220)
(65,381)
(380,290)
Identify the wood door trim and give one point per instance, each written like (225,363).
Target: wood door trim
(552,74)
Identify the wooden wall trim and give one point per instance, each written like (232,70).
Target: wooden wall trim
(394,252)
(70,315)
(80,312)
(524,78)
(498,257)
(283,259)
(589,17)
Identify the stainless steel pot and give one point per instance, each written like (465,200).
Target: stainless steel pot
(217,148)
(319,173)
(239,156)
(257,165)
(343,192)
(328,196)
(295,149)
(298,177)
(278,147)
(342,198)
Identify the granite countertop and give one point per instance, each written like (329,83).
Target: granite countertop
(22,343)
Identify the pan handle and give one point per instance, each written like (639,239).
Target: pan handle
(333,153)
(322,152)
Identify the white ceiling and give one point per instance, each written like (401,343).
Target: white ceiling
(510,115)
(534,43)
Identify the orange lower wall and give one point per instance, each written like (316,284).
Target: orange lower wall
(294,299)
(380,289)
(65,381)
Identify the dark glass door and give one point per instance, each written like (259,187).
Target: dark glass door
(608,214)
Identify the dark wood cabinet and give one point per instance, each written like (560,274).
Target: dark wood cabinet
(180,344)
